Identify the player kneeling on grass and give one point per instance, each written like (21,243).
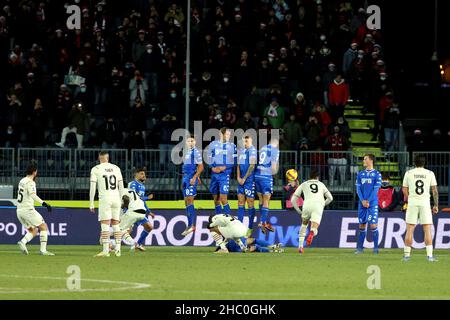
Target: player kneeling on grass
(223,228)
(254,245)
(316,197)
(27,214)
(135,214)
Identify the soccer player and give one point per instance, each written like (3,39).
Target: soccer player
(221,157)
(224,227)
(27,214)
(416,186)
(368,182)
(135,211)
(247,159)
(268,165)
(109,179)
(254,245)
(192,168)
(138,186)
(316,197)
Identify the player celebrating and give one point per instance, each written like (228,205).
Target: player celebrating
(110,190)
(138,186)
(247,158)
(316,197)
(192,168)
(368,182)
(224,227)
(221,159)
(135,213)
(416,186)
(269,156)
(27,214)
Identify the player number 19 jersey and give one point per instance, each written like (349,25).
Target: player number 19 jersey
(419,181)
(107,176)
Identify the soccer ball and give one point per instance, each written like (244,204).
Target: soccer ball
(291,175)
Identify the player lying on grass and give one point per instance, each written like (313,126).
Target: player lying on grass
(27,214)
(223,228)
(254,245)
(316,197)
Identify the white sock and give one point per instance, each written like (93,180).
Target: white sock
(429,250)
(105,237)
(301,239)
(27,238)
(127,239)
(219,240)
(43,238)
(315,230)
(117,236)
(407,251)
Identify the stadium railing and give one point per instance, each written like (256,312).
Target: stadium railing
(64,173)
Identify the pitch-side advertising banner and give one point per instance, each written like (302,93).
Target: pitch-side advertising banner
(338,229)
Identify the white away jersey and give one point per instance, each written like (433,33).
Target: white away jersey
(135,202)
(108,177)
(26,188)
(222,220)
(419,181)
(313,191)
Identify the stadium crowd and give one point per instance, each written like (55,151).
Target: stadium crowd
(119,80)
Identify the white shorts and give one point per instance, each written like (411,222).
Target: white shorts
(129,218)
(419,215)
(312,212)
(30,218)
(234,230)
(109,209)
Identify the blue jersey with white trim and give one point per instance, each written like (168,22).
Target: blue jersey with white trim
(222,154)
(139,188)
(244,160)
(368,182)
(190,162)
(268,155)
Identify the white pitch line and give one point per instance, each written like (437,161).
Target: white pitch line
(128,285)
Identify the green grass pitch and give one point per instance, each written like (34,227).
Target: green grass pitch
(183,273)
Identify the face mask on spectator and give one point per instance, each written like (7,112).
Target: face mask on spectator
(83,89)
(226,79)
(173,95)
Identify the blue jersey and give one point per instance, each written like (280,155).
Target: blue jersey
(139,188)
(368,182)
(268,155)
(222,154)
(244,160)
(190,162)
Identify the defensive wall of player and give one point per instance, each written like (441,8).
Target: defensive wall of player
(338,230)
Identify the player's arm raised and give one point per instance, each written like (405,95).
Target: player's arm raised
(92,190)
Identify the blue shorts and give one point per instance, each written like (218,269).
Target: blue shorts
(188,189)
(264,184)
(368,215)
(248,189)
(233,247)
(220,184)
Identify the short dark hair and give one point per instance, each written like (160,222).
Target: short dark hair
(139,169)
(385,176)
(370,156)
(32,168)
(224,130)
(314,174)
(419,160)
(103,153)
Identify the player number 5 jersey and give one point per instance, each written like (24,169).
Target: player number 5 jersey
(108,177)
(26,188)
(419,181)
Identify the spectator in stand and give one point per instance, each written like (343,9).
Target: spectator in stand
(10,137)
(245,123)
(313,129)
(328,79)
(338,95)
(138,88)
(391,126)
(417,141)
(349,57)
(388,197)
(110,134)
(338,145)
(151,64)
(324,120)
(37,125)
(253,104)
(139,47)
(293,133)
(275,113)
(300,109)
(164,129)
(265,125)
(344,128)
(137,120)
(77,120)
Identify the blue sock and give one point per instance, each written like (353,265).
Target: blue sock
(218,209)
(262,243)
(144,235)
(226,209)
(191,215)
(361,238)
(251,217)
(264,214)
(375,234)
(241,213)
(261,249)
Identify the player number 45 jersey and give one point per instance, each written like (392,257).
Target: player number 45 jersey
(419,181)
(108,177)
